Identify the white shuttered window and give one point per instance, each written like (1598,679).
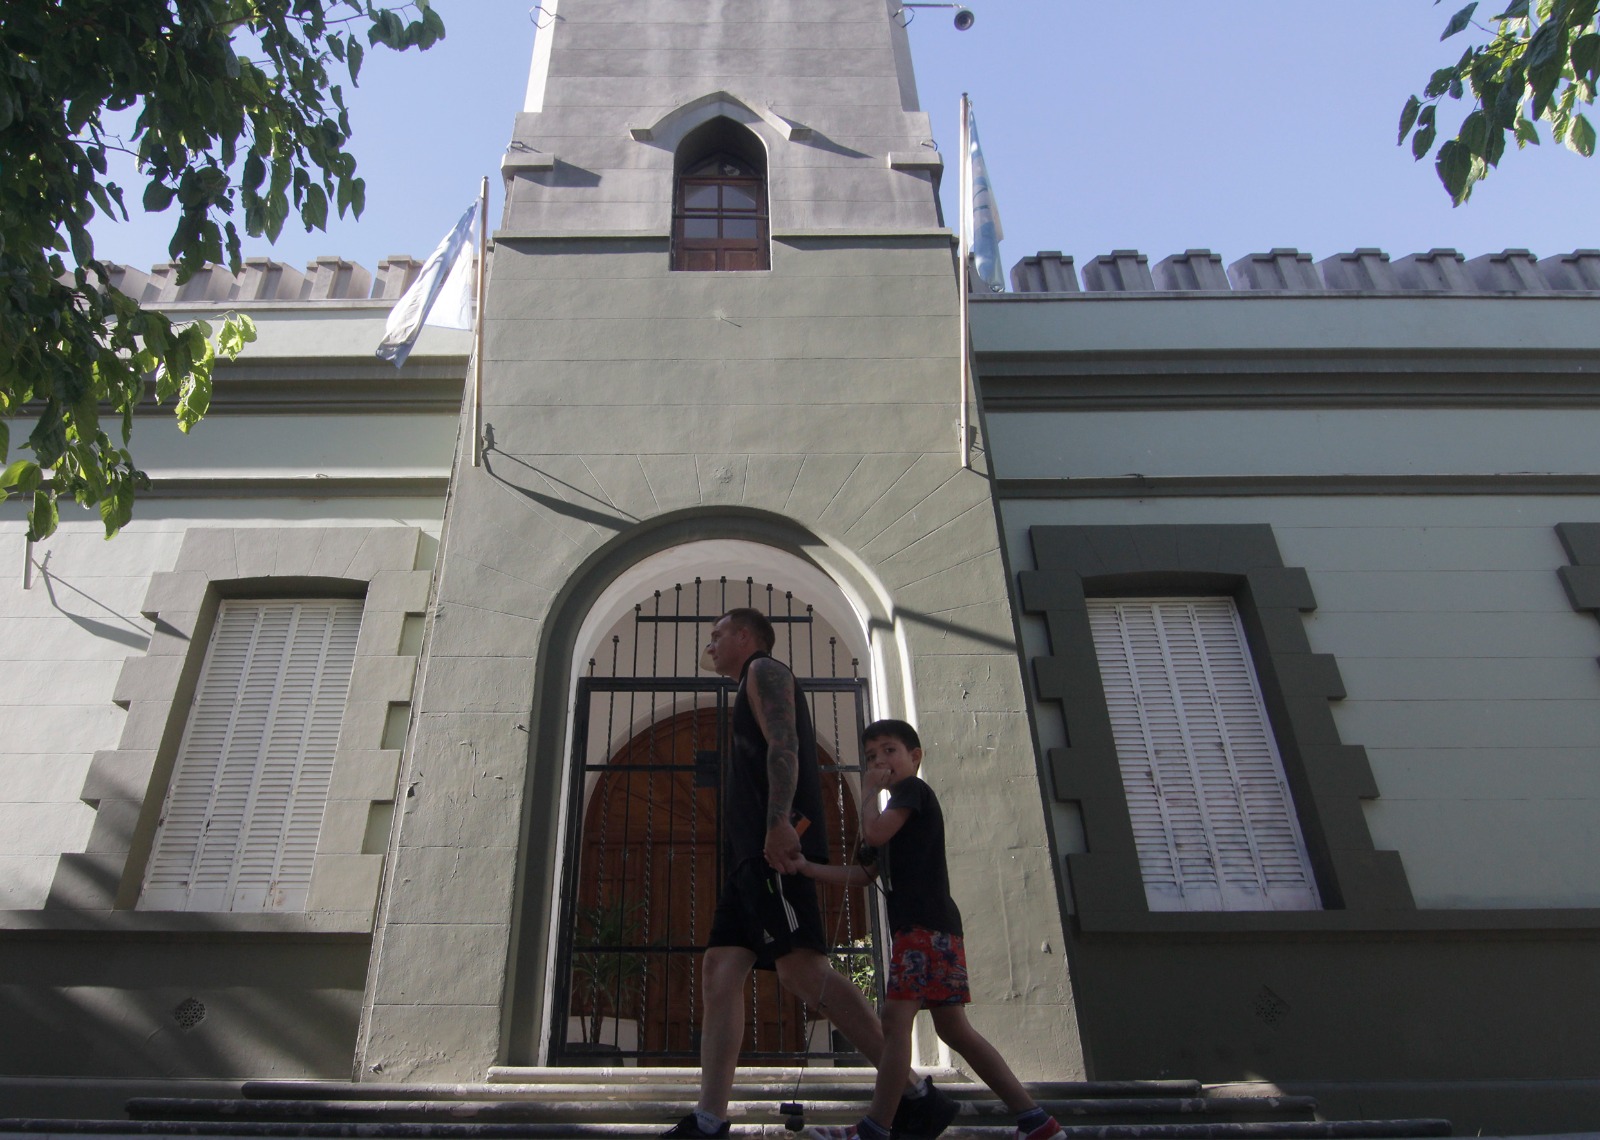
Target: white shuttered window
(1213,821)
(239,828)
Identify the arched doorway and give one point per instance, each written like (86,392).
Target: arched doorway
(644,864)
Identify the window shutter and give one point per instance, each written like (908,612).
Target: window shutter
(239,828)
(1213,821)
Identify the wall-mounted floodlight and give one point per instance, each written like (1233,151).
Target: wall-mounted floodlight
(964,17)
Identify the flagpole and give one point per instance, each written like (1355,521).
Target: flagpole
(961,274)
(477,323)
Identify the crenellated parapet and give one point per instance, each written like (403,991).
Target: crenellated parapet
(261,279)
(1513,271)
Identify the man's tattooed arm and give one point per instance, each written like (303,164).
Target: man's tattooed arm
(773,693)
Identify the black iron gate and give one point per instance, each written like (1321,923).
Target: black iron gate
(643,859)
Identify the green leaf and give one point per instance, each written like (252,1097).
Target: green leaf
(238,330)
(116,509)
(1495,147)
(1454,166)
(1422,141)
(432,28)
(1545,47)
(22,476)
(1585,57)
(1474,133)
(1580,136)
(43,518)
(5,440)
(1459,21)
(1439,82)
(157,196)
(357,53)
(255,171)
(1516,10)
(1408,117)
(314,210)
(1508,100)
(1527,133)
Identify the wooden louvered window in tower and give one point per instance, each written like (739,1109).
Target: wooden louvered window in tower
(719,217)
(239,827)
(1213,820)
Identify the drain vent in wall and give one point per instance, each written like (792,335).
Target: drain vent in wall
(1269,1007)
(189,1013)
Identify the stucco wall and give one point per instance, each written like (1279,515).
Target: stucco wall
(1471,681)
(65,638)
(633,408)
(825,84)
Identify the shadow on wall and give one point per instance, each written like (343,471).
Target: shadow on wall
(967,632)
(605,513)
(124,630)
(171,1005)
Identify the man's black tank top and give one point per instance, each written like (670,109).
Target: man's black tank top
(745,812)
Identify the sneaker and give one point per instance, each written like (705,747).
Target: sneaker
(689,1129)
(926,1116)
(1049,1130)
(833,1132)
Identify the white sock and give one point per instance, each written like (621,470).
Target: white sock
(708,1123)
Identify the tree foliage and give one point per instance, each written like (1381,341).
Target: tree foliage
(1541,62)
(236,115)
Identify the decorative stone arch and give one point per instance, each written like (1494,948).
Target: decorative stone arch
(672,128)
(594,595)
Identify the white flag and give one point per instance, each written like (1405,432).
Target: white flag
(985,221)
(443,295)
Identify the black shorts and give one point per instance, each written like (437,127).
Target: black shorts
(767,913)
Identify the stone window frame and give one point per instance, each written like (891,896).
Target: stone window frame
(127,786)
(1327,778)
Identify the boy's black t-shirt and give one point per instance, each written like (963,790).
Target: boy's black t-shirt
(911,868)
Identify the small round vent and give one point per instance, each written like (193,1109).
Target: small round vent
(189,1013)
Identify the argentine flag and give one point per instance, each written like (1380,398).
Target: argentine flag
(986,231)
(443,295)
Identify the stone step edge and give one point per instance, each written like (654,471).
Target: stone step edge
(1288,1130)
(812,1085)
(192,1109)
(669,1074)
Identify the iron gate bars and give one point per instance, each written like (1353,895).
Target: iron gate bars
(643,854)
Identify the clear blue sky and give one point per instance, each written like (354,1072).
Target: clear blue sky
(1163,125)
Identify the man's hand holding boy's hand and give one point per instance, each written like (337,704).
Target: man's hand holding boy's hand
(783,848)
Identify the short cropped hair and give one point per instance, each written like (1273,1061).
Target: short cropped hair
(756,622)
(894,729)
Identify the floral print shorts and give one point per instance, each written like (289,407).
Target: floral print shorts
(928,966)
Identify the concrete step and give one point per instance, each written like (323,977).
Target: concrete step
(781,1085)
(1217,1130)
(1102,1110)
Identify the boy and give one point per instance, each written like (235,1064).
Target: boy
(903,846)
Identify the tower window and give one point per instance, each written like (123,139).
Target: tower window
(719,218)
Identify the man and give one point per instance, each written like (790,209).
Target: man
(767,915)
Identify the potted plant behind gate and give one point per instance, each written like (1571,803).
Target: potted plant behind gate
(607,979)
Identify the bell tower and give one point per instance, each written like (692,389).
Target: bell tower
(722,309)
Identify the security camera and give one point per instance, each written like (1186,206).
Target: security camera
(964,19)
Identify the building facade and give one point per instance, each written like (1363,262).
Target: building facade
(1253,651)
